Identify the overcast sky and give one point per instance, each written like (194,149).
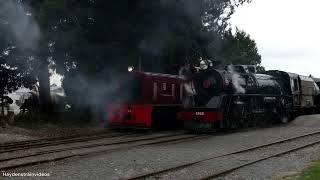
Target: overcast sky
(286,33)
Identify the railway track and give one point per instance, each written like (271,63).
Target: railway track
(224,157)
(29,144)
(33,152)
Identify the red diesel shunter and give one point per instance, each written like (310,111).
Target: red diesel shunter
(147,100)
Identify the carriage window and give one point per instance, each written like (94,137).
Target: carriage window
(164,86)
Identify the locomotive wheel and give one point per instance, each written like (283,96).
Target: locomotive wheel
(265,119)
(245,118)
(240,117)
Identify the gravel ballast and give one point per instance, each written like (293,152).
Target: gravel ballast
(13,134)
(130,162)
(4,138)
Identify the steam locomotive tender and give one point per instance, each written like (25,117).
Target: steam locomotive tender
(148,100)
(238,97)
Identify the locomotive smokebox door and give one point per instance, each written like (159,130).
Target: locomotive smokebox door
(208,83)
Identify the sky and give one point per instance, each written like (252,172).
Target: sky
(286,33)
(56,79)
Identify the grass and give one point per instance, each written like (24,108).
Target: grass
(311,173)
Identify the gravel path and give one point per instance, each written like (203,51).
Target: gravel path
(126,163)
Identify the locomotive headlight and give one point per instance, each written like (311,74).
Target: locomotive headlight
(130,68)
(203,65)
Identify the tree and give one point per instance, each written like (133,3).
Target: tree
(239,48)
(101,36)
(15,72)
(93,39)
(165,31)
(16,62)
(21,32)
(218,12)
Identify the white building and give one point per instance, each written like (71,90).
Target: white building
(16,97)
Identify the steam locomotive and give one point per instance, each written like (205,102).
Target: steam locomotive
(148,100)
(238,97)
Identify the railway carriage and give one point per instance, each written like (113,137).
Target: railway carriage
(317,98)
(147,100)
(302,92)
(316,80)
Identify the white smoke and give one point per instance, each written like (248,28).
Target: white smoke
(21,23)
(237,83)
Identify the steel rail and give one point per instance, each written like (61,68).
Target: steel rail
(23,145)
(4,145)
(155,140)
(116,142)
(228,171)
(174,168)
(40,144)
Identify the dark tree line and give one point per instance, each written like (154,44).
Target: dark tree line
(90,41)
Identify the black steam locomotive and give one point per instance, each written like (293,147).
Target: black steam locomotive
(238,97)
